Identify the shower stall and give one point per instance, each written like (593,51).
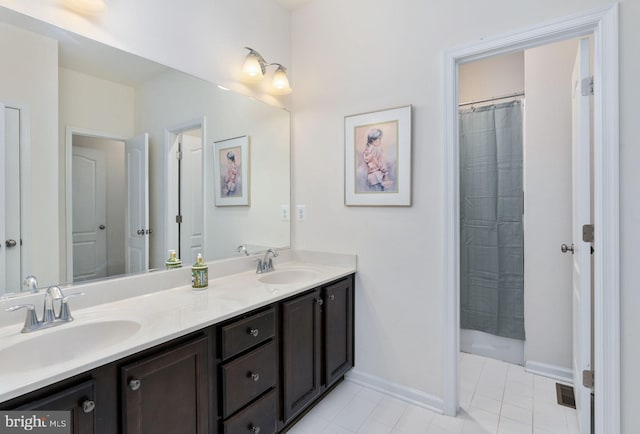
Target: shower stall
(491,229)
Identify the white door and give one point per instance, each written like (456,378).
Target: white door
(137,208)
(191,230)
(10,229)
(582,250)
(89,235)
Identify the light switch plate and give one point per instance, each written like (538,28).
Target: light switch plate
(284,213)
(301,213)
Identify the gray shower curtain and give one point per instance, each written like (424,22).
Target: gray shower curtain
(491,230)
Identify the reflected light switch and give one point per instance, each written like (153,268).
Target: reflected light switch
(301,213)
(284,213)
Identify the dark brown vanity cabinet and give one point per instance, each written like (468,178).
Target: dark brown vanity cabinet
(317,344)
(249,373)
(79,400)
(255,373)
(167,392)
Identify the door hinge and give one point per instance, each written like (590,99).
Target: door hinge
(587,233)
(178,218)
(178,155)
(587,379)
(587,86)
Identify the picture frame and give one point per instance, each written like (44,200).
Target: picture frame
(377,155)
(231,172)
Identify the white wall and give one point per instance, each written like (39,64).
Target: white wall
(548,290)
(17,74)
(351,58)
(204,37)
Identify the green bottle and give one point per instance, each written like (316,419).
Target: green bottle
(173,261)
(199,274)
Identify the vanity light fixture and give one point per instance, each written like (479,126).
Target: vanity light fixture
(255,67)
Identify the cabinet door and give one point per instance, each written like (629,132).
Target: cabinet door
(338,330)
(79,400)
(300,352)
(168,392)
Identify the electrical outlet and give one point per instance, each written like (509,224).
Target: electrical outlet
(284,213)
(301,213)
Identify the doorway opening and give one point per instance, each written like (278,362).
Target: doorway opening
(185,215)
(602,23)
(98,207)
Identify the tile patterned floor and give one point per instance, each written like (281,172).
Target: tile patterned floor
(496,397)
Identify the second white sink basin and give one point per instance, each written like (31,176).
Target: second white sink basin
(62,343)
(289,276)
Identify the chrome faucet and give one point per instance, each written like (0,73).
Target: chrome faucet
(30,283)
(242,248)
(265,264)
(49,316)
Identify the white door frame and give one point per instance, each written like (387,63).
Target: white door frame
(170,134)
(603,24)
(70,132)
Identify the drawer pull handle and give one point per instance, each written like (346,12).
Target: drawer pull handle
(134,384)
(254,332)
(88,406)
(254,376)
(254,429)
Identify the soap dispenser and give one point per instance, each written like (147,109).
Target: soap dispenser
(173,261)
(199,274)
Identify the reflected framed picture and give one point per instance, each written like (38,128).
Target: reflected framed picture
(231,171)
(377,155)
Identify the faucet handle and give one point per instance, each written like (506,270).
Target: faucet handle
(65,313)
(31,320)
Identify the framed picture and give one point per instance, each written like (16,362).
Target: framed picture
(377,155)
(231,171)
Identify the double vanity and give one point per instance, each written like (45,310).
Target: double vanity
(147,353)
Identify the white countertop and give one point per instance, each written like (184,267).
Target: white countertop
(157,317)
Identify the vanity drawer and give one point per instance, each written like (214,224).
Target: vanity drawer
(247,332)
(248,377)
(259,417)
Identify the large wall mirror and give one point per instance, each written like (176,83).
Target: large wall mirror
(108,160)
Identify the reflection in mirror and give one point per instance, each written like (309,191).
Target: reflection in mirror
(85,196)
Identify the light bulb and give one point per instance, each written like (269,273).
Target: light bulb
(280,83)
(252,68)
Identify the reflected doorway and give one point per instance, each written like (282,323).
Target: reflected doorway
(185,190)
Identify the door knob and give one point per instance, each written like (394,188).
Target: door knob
(564,248)
(11,243)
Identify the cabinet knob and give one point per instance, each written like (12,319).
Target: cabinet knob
(320,301)
(254,429)
(134,384)
(332,297)
(253,332)
(254,376)
(88,406)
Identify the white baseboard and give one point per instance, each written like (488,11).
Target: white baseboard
(551,371)
(404,393)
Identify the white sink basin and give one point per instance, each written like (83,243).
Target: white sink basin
(62,343)
(294,275)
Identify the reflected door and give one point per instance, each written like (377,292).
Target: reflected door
(89,213)
(191,199)
(137,210)
(10,233)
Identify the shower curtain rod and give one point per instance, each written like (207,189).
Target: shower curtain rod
(478,101)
